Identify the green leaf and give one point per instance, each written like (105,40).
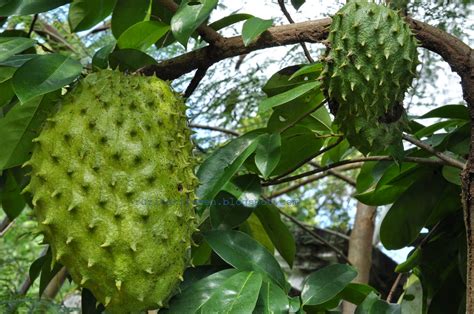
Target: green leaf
(127,13)
(44,74)
(277,231)
(324,284)
(189,16)
(297,3)
(192,298)
(246,188)
(412,261)
(11,199)
(23,123)
(89,303)
(313,68)
(84,14)
(287,96)
(253,28)
(142,35)
(221,165)
(373,305)
(448,112)
(356,292)
(6,73)
(236,295)
(6,94)
(48,271)
(336,153)
(272,300)
(244,253)
(452,174)
(25,7)
(412,298)
(227,212)
(229,20)
(254,228)
(18,60)
(100,59)
(35,267)
(411,211)
(10,46)
(268,153)
(130,60)
(280,81)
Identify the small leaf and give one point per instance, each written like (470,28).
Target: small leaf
(229,20)
(10,46)
(287,96)
(268,153)
(48,272)
(324,284)
(84,14)
(253,28)
(412,261)
(44,74)
(189,16)
(35,268)
(374,305)
(244,253)
(448,112)
(313,68)
(127,13)
(452,174)
(11,199)
(297,3)
(130,59)
(100,59)
(236,295)
(142,35)
(25,7)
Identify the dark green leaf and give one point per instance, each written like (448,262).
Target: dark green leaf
(142,35)
(277,231)
(272,299)
(313,68)
(336,153)
(297,3)
(268,153)
(280,82)
(228,212)
(236,295)
(287,96)
(373,305)
(324,284)
(23,123)
(48,271)
(10,46)
(89,303)
(127,13)
(253,28)
(6,94)
(129,59)
(448,112)
(35,268)
(25,7)
(12,201)
(412,261)
(84,14)
(18,60)
(189,16)
(192,298)
(221,165)
(229,20)
(244,253)
(100,59)
(6,73)
(356,292)
(452,174)
(44,74)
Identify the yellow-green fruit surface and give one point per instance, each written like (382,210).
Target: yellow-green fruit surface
(113,188)
(370,63)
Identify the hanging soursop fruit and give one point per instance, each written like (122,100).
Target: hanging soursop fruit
(113,188)
(370,63)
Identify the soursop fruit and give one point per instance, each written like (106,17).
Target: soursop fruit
(113,188)
(370,63)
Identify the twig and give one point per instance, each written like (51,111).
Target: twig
(290,19)
(350,161)
(5,225)
(214,128)
(316,236)
(198,76)
(449,161)
(337,174)
(303,116)
(32,25)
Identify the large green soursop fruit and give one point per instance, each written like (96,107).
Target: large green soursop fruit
(113,185)
(370,63)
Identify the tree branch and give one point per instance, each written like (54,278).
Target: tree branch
(337,174)
(5,226)
(198,76)
(214,128)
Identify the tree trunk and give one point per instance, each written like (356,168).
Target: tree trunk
(360,246)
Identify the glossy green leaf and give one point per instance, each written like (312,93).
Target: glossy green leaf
(268,153)
(356,292)
(246,188)
(374,305)
(287,96)
(244,253)
(236,295)
(189,16)
(18,60)
(127,13)
(23,123)
(6,73)
(44,74)
(10,46)
(229,20)
(142,35)
(448,112)
(129,59)
(25,7)
(313,68)
(324,284)
(411,211)
(272,299)
(11,199)
(192,298)
(84,14)
(220,166)
(277,231)
(100,60)
(280,81)
(227,212)
(253,28)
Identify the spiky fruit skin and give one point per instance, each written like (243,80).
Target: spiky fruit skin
(370,63)
(113,185)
